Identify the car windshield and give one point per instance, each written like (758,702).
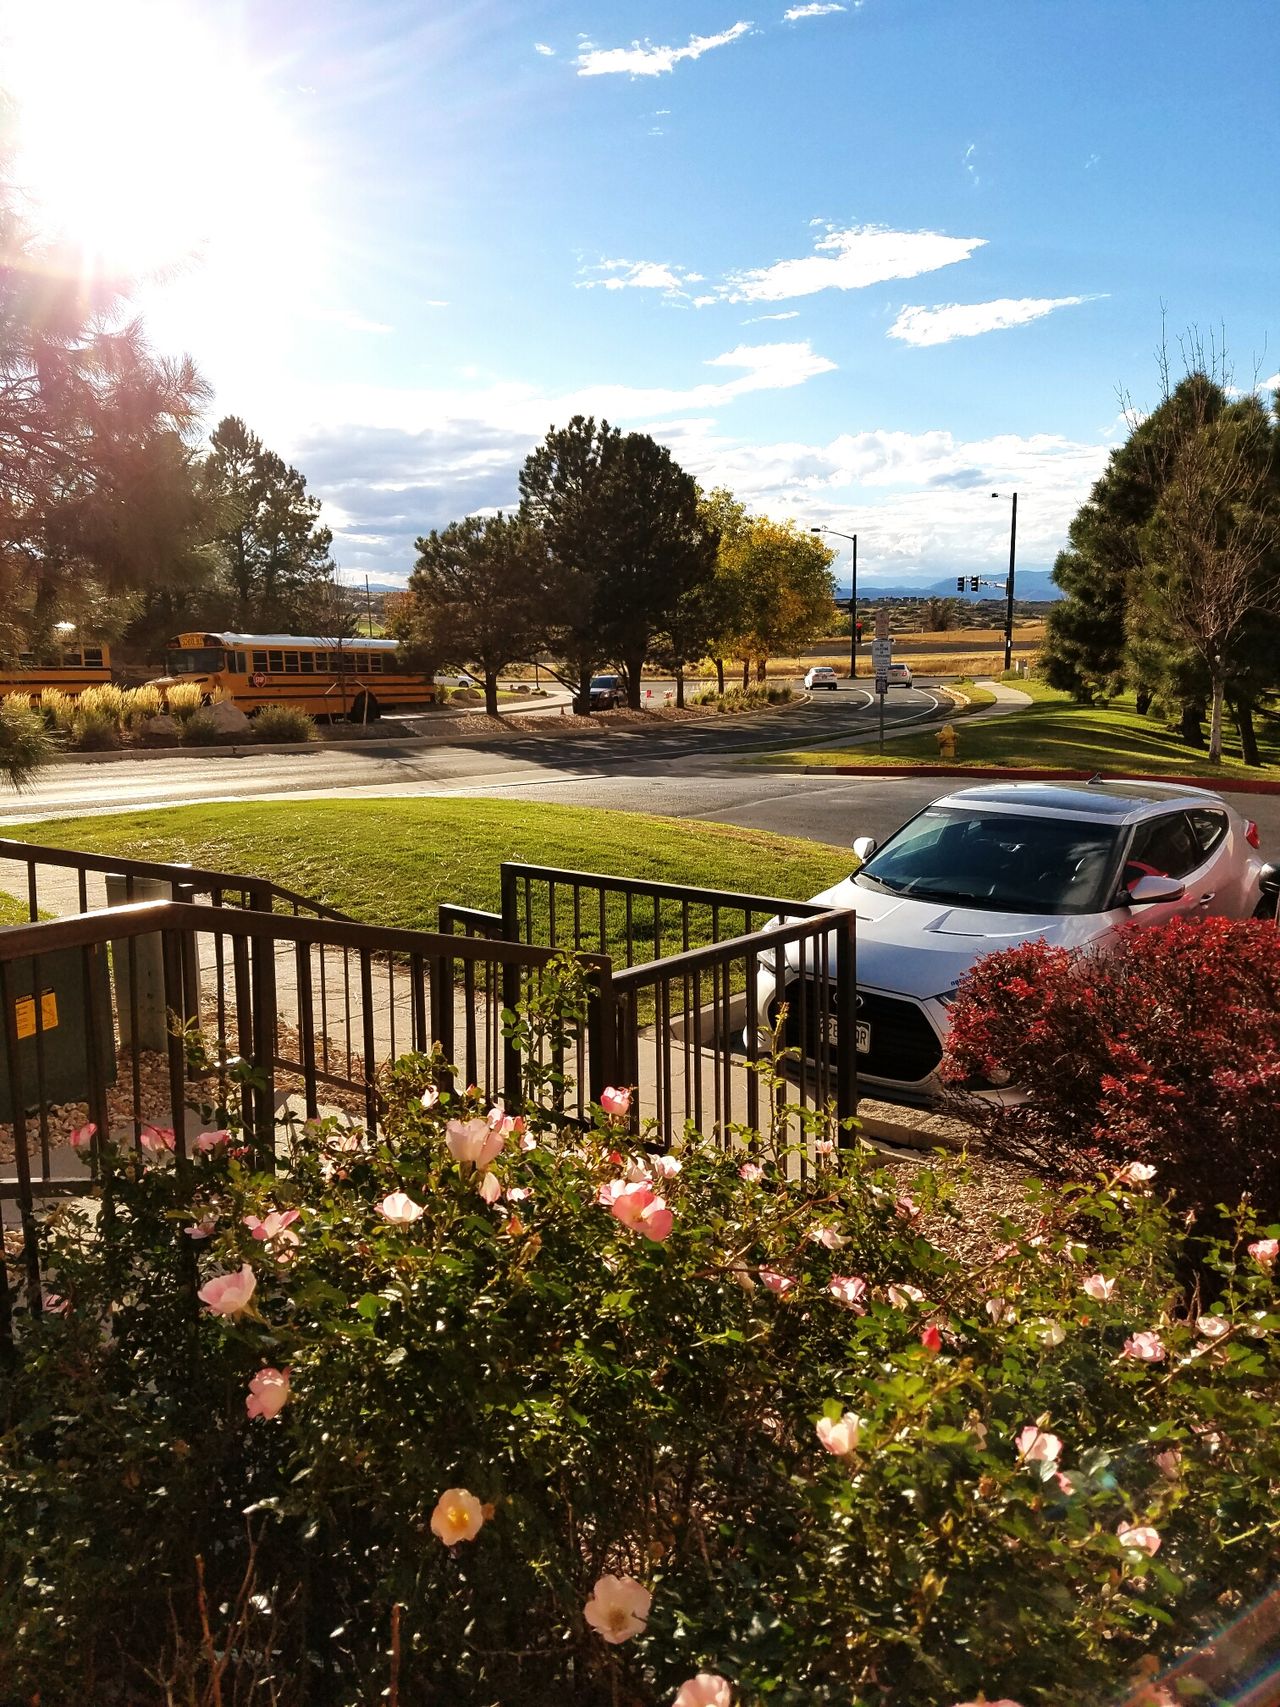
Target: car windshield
(997,861)
(604,681)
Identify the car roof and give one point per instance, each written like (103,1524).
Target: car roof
(1114,801)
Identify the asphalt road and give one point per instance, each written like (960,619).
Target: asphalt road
(684,770)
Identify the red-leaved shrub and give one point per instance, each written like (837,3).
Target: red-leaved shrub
(1163,1049)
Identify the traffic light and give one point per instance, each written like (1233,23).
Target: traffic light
(973,583)
(959,583)
(859,633)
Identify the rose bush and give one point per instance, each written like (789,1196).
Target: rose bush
(779,1449)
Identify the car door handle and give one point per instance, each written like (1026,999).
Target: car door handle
(1205,898)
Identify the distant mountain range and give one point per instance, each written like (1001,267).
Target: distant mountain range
(1034,585)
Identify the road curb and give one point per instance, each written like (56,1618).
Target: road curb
(558,728)
(1026,773)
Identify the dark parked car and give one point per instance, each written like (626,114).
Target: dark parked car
(607,693)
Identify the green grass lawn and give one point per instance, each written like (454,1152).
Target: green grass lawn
(391,862)
(1057,733)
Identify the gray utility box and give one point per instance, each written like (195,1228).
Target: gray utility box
(51,1018)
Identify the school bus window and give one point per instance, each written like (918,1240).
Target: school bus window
(259,660)
(306,666)
(92,658)
(275,661)
(362,661)
(241,663)
(375,662)
(291,665)
(193,661)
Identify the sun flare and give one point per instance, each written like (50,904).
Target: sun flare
(147,140)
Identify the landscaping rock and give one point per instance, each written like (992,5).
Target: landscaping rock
(228,719)
(159,731)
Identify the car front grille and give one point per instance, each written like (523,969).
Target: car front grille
(904,1046)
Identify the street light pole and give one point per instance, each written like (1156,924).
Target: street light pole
(853,596)
(1008,608)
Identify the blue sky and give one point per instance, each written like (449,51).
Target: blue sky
(864,264)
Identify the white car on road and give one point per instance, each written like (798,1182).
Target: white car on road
(1067,863)
(820,676)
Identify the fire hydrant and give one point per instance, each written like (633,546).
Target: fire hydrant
(946,739)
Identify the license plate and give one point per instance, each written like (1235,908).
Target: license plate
(863,1037)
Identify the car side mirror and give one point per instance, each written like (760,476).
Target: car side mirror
(1150,889)
(863,849)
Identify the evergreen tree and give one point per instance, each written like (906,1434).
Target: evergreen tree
(274,552)
(474,599)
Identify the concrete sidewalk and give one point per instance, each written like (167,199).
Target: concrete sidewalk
(1007,699)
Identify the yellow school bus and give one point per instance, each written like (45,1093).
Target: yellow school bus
(357,679)
(77,668)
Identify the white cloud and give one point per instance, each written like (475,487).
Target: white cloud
(969,166)
(639,275)
(921,326)
(817,10)
(787,314)
(642,59)
(542,48)
(1272,384)
(850,260)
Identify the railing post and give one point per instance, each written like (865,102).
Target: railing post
(263,985)
(847,1021)
(602,1030)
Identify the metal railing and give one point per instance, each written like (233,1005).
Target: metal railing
(254,1002)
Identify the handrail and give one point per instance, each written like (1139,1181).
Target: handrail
(143,918)
(118,865)
(661,890)
(728,948)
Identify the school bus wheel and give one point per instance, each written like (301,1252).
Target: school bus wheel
(364,709)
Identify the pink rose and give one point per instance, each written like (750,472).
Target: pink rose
(1213,1327)
(229,1294)
(158,1139)
(457,1517)
(618,1608)
(617,1106)
(473,1141)
(271,1226)
(828,1238)
(81,1137)
(490,1187)
(1136,1173)
(849,1290)
(840,1438)
(931,1338)
(667,1166)
(1145,1347)
(824,1147)
(1264,1251)
(903,1294)
(779,1283)
(639,1210)
(210,1141)
(1099,1287)
(1037,1447)
(906,1208)
(267,1393)
(1169,1463)
(203,1228)
(752,1172)
(430,1097)
(708,1689)
(1139,1538)
(399,1209)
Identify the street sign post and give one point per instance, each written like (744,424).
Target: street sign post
(881,656)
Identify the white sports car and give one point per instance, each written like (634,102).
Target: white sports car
(1067,863)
